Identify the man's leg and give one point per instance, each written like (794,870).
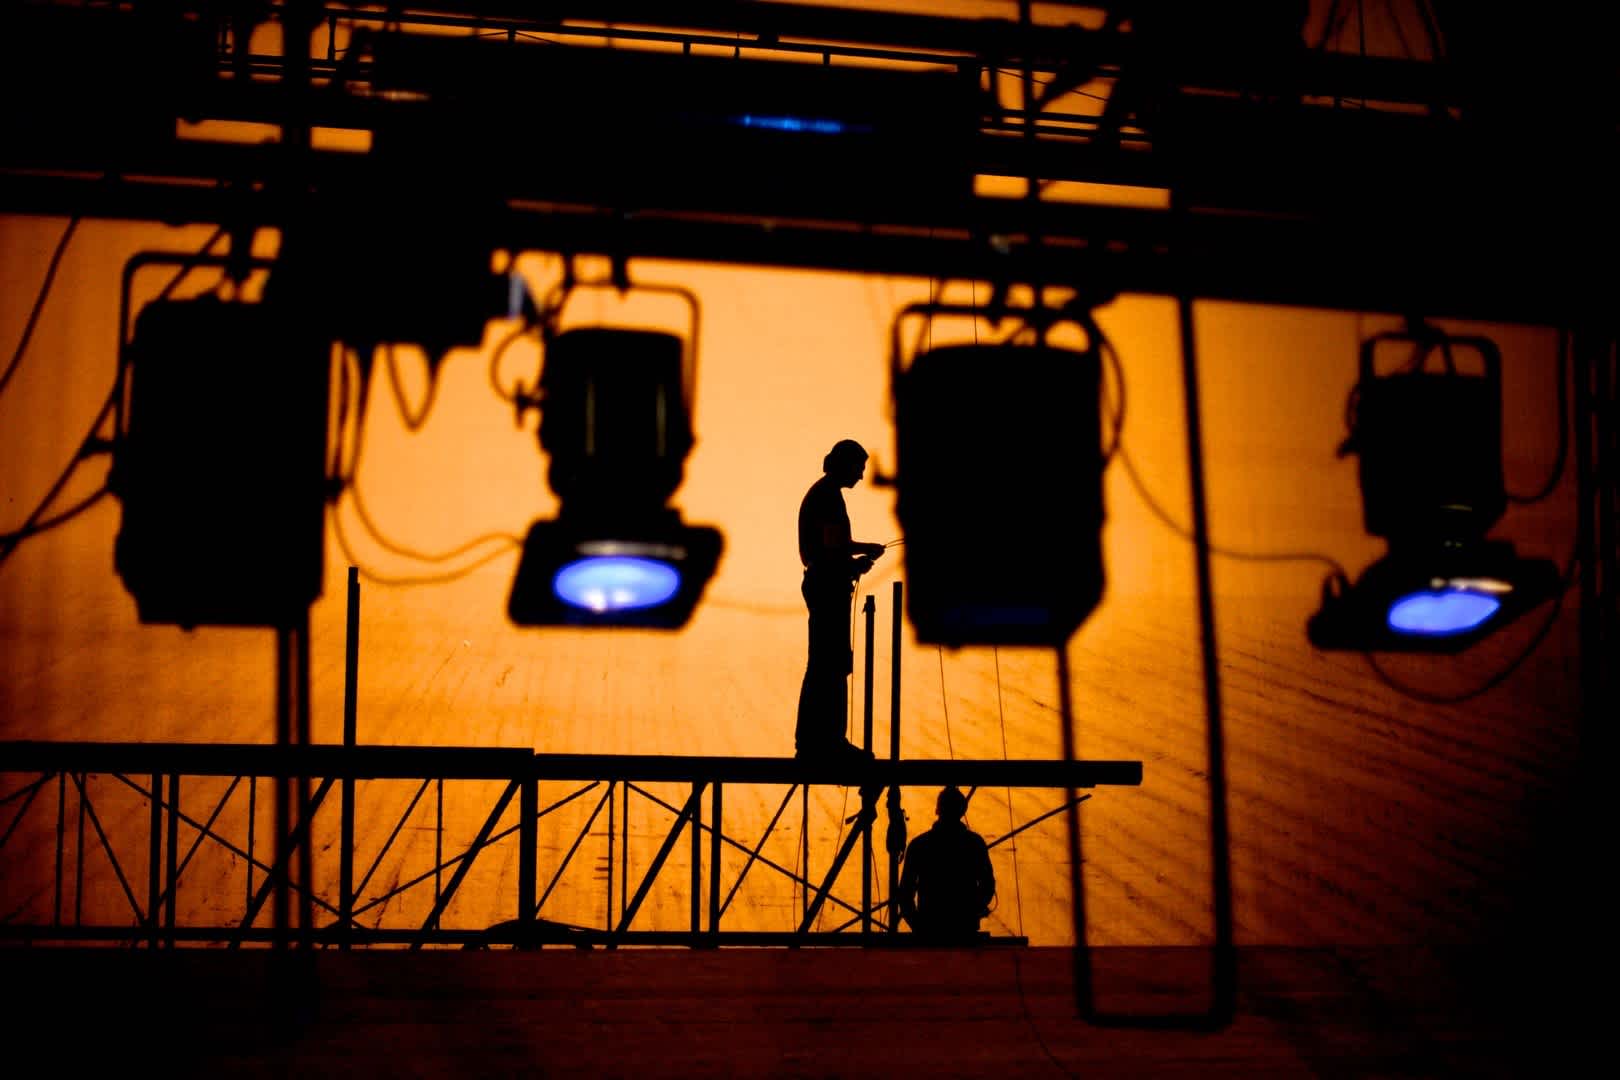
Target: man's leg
(823,695)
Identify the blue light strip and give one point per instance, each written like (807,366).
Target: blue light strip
(812,124)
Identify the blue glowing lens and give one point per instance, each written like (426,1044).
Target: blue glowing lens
(605,583)
(1441,612)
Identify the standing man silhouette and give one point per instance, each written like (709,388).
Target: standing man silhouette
(832,564)
(947,883)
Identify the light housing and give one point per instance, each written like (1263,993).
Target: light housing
(616,426)
(1440,599)
(221,468)
(999,492)
(1430,468)
(649,574)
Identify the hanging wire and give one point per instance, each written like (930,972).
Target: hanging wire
(39,302)
(1563,428)
(348,480)
(412,423)
(1117,451)
(93,443)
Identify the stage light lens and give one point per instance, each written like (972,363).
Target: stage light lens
(1442,612)
(616,583)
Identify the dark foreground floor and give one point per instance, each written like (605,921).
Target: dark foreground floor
(825,1012)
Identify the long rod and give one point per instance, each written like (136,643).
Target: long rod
(1225,960)
(301,718)
(528,841)
(172,843)
(624,856)
(155,857)
(279,900)
(61,838)
(697,858)
(531,907)
(715,826)
(863,823)
(351,664)
(691,812)
(478,844)
(870,611)
(1073,800)
(754,854)
(896,813)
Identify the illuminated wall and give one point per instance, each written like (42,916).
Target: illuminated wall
(1358,813)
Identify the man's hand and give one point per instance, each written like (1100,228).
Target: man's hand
(871,551)
(862,565)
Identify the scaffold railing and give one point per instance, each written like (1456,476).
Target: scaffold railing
(118,808)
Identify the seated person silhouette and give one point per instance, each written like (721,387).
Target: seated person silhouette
(947,882)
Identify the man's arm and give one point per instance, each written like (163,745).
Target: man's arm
(908,885)
(986,876)
(836,543)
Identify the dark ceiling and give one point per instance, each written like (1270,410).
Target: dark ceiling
(1474,182)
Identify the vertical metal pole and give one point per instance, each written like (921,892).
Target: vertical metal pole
(894,808)
(804,845)
(155,861)
(61,842)
(78,857)
(714,862)
(1225,960)
(301,722)
(438,846)
(252,829)
(173,869)
(611,806)
(866,834)
(697,860)
(279,901)
(624,853)
(528,845)
(351,666)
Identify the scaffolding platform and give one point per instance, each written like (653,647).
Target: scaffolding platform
(304,776)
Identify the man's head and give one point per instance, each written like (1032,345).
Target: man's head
(845,462)
(952,804)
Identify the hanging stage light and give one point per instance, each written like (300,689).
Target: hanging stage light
(999,485)
(1430,451)
(616,424)
(221,465)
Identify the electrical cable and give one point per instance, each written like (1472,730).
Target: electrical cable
(91,442)
(513,395)
(52,522)
(1563,428)
(412,423)
(39,302)
(1182,531)
(384,579)
(350,481)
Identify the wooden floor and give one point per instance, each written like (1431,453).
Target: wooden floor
(997,1011)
